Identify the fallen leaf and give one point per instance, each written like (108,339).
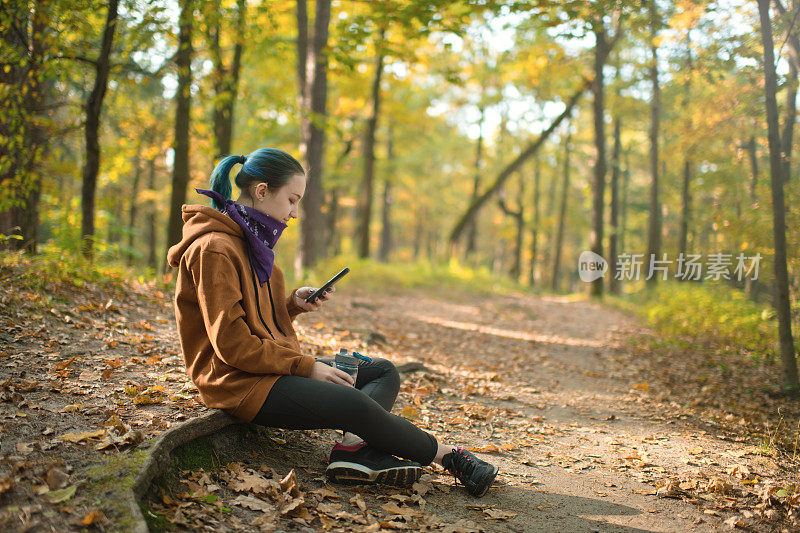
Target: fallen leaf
(498,514)
(409,412)
(84,435)
(92,518)
(253,503)
(59,496)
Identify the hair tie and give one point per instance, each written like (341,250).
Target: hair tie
(242,159)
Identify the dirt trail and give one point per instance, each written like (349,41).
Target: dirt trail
(558,364)
(540,385)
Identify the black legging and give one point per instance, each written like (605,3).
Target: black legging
(296,402)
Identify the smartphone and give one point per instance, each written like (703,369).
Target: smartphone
(316,294)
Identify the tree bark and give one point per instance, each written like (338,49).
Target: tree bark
(686,198)
(512,167)
(753,156)
(613,252)
(599,181)
(781,302)
(562,212)
(137,174)
(791,95)
(183,102)
(386,221)
(312,247)
(94,106)
(519,218)
(654,225)
(152,262)
(225,79)
(626,179)
(365,203)
(537,172)
(472,232)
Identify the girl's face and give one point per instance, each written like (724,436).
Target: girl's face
(282,204)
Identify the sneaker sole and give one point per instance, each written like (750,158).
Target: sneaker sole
(354,474)
(487,482)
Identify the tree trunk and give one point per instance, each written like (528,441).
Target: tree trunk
(788,126)
(599,182)
(686,198)
(312,247)
(654,226)
(137,174)
(613,252)
(226,80)
(91,132)
(562,212)
(152,261)
(753,156)
(472,232)
(626,180)
(535,237)
(519,217)
(365,204)
(386,221)
(512,167)
(183,102)
(777,171)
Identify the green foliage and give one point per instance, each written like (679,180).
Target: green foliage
(716,314)
(368,274)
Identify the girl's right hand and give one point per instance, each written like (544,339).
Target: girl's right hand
(323,372)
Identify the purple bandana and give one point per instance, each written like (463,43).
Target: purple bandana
(261,231)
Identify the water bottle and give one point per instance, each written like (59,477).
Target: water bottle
(346,363)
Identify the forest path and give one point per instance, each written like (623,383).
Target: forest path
(541,384)
(552,390)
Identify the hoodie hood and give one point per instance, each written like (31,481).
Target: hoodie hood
(197,221)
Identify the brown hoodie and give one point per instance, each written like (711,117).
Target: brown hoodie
(237,338)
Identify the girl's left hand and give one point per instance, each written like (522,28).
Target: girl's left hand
(304,292)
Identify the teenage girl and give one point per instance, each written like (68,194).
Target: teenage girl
(241,351)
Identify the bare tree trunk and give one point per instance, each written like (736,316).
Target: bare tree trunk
(562,212)
(788,125)
(686,198)
(626,179)
(599,182)
(152,262)
(777,173)
(512,167)
(93,107)
(312,246)
(753,156)
(472,232)
(386,220)
(183,102)
(225,80)
(365,204)
(537,174)
(654,226)
(519,217)
(137,174)
(613,252)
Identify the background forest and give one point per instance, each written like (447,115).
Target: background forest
(491,140)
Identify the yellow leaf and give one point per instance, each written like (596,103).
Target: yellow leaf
(84,435)
(409,412)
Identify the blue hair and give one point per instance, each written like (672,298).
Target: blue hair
(269,165)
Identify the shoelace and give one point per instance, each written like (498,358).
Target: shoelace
(461,463)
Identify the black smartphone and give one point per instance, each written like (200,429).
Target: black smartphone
(316,294)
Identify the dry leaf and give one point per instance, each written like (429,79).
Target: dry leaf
(253,503)
(92,518)
(409,412)
(359,502)
(59,496)
(77,437)
(498,514)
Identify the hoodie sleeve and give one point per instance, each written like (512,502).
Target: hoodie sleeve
(292,307)
(219,297)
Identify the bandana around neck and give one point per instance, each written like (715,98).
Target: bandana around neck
(261,231)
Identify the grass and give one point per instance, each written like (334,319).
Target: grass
(718,315)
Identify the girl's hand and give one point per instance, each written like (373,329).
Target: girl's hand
(304,292)
(323,372)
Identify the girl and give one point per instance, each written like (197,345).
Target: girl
(242,353)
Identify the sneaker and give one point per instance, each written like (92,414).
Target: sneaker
(362,464)
(475,474)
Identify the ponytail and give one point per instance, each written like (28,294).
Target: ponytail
(220,178)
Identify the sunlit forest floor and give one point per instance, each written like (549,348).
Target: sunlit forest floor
(596,422)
